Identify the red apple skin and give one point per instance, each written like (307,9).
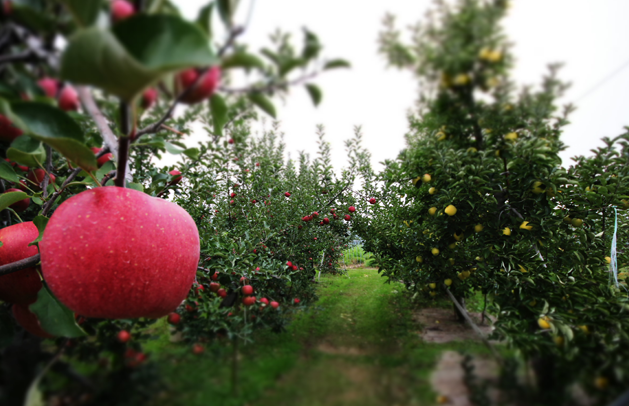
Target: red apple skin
(197,349)
(372,200)
(265,301)
(204,88)
(19,287)
(68,99)
(8,132)
(123,336)
(20,206)
(214,287)
(348,217)
(351,209)
(249,300)
(37,177)
(29,322)
(49,86)
(176,176)
(121,9)
(149,97)
(275,305)
(103,159)
(117,253)
(222,293)
(247,290)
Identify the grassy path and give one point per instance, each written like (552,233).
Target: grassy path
(357,346)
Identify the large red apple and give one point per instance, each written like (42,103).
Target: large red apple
(117,253)
(28,320)
(22,204)
(19,287)
(8,132)
(204,88)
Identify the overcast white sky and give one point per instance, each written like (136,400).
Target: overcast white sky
(590,37)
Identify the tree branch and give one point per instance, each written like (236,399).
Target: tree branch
(55,195)
(46,180)
(19,265)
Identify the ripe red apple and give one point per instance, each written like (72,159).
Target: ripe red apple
(176,176)
(326,220)
(198,349)
(121,9)
(265,301)
(287,194)
(296,301)
(232,202)
(231,141)
(50,86)
(233,194)
(28,320)
(8,132)
(249,300)
(222,292)
(275,305)
(103,159)
(112,252)
(348,217)
(174,318)
(19,287)
(372,200)
(247,290)
(22,204)
(199,289)
(214,276)
(68,99)
(149,97)
(204,88)
(294,267)
(351,209)
(37,177)
(214,287)
(123,336)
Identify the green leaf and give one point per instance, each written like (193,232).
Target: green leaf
(40,222)
(336,63)
(136,53)
(27,151)
(204,20)
(315,93)
(173,149)
(192,153)
(263,103)
(289,65)
(32,16)
(84,12)
(9,198)
(219,113)
(227,9)
(242,60)
(7,172)
(54,317)
(136,186)
(312,47)
(54,127)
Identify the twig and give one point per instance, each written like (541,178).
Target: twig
(172,129)
(55,195)
(233,34)
(44,185)
(123,143)
(19,265)
(99,119)
(271,86)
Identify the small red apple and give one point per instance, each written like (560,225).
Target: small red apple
(121,9)
(176,176)
(123,336)
(49,86)
(28,320)
(19,287)
(22,204)
(199,289)
(232,202)
(103,159)
(231,141)
(233,194)
(326,220)
(372,200)
(198,349)
(113,252)
(249,300)
(348,217)
(68,99)
(275,305)
(37,177)
(214,287)
(174,318)
(287,194)
(204,88)
(265,301)
(149,97)
(247,290)
(222,293)
(8,132)
(351,209)
(296,301)
(214,276)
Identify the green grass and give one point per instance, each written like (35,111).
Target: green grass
(357,346)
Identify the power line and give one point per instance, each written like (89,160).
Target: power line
(603,81)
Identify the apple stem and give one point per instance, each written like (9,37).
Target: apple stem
(123,144)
